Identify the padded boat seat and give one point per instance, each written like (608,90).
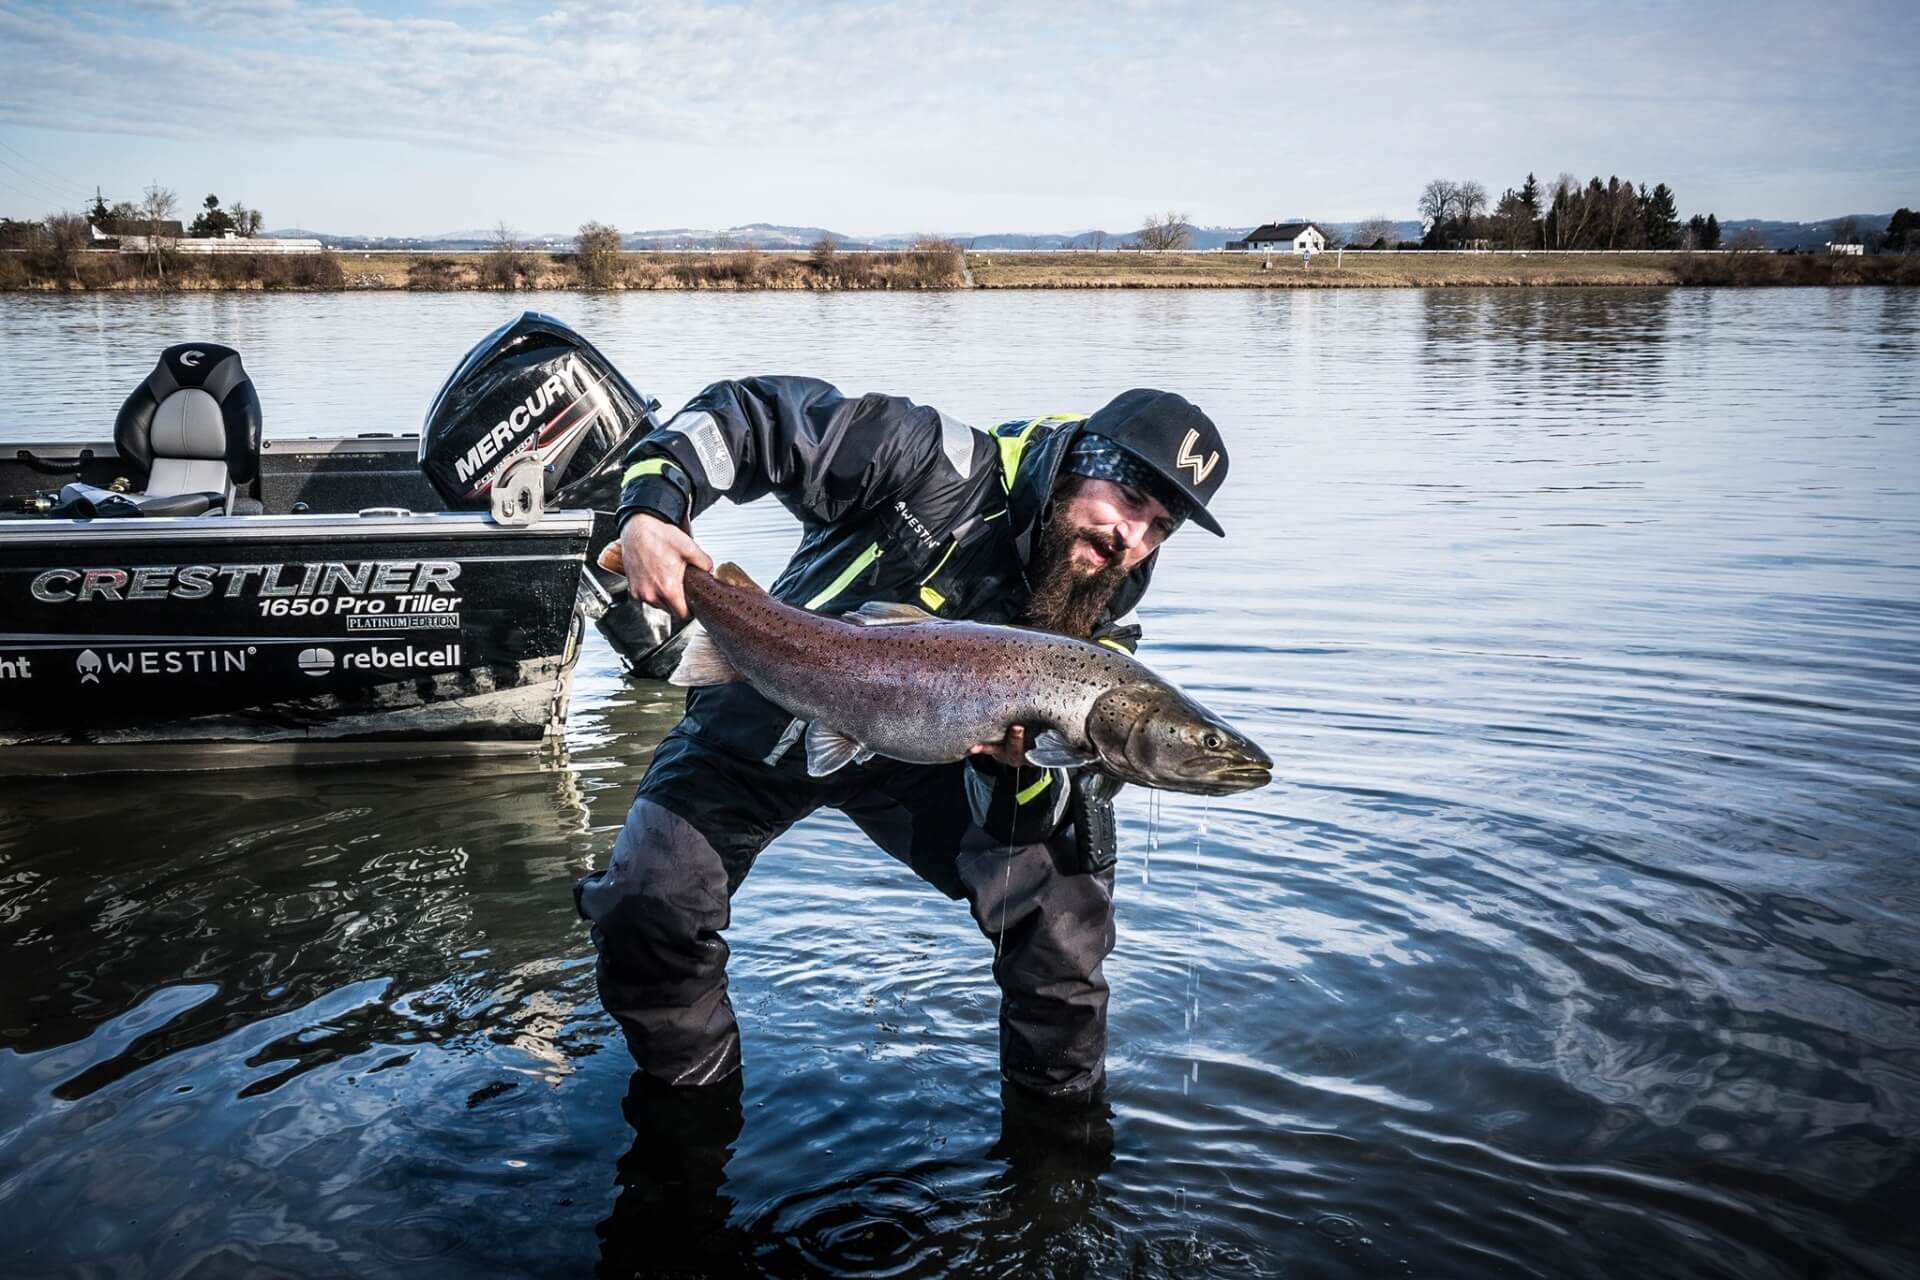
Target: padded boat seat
(194,428)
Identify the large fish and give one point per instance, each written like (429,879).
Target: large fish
(892,680)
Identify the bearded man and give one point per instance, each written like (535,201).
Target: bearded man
(1050,522)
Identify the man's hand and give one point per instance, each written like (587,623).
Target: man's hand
(654,555)
(1010,750)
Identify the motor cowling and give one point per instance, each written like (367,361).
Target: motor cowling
(532,387)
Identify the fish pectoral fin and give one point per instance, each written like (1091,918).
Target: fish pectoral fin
(701,662)
(1052,751)
(829,749)
(734,576)
(880,613)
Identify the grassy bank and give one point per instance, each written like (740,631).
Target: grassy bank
(454,272)
(938,269)
(1415,270)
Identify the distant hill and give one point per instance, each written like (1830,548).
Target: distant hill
(771,235)
(754,235)
(1802,235)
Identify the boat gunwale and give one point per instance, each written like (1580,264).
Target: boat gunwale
(566,523)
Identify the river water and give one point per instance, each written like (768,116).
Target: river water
(1575,937)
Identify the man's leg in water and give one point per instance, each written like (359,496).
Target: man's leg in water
(1051,924)
(699,819)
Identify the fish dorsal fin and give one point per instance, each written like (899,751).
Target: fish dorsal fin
(701,662)
(734,576)
(829,749)
(1051,750)
(881,613)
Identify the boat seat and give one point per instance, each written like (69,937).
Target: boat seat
(193,426)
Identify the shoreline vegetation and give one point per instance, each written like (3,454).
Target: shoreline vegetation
(929,269)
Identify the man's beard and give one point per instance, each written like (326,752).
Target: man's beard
(1064,602)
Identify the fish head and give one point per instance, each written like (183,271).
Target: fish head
(1153,734)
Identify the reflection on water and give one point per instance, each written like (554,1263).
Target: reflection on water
(1575,937)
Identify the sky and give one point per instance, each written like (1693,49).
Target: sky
(423,117)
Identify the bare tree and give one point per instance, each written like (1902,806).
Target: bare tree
(508,262)
(1622,213)
(1096,240)
(1377,232)
(1846,231)
(1560,198)
(1166,231)
(1748,240)
(1437,200)
(68,235)
(246,222)
(1469,201)
(597,254)
(156,210)
(1576,213)
(1513,217)
(825,249)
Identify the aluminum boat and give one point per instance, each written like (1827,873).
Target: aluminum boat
(188,595)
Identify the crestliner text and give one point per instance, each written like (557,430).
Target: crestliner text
(198,581)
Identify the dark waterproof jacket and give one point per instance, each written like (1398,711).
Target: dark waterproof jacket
(897,502)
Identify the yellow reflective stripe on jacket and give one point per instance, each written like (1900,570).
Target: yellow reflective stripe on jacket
(1011,447)
(847,575)
(951,544)
(646,467)
(1027,794)
(1113,644)
(1014,443)
(932,599)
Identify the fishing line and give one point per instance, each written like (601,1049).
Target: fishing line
(1193,974)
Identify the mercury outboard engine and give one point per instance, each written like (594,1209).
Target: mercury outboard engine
(533,388)
(536,417)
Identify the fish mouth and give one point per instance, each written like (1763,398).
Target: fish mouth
(1238,778)
(1227,781)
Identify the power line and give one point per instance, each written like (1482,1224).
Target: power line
(56,192)
(64,179)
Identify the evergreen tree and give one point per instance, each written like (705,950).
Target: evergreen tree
(1711,240)
(1514,221)
(1595,211)
(1530,197)
(211,222)
(1659,220)
(98,213)
(1903,231)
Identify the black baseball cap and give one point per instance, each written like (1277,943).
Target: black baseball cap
(1170,434)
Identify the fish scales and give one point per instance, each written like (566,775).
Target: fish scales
(926,691)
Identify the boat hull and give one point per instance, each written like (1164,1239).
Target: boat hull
(271,638)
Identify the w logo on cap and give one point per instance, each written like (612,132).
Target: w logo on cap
(1191,460)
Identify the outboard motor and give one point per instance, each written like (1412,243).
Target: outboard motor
(533,388)
(534,396)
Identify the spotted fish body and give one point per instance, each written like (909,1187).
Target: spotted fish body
(891,680)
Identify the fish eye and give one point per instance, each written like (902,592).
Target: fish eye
(1211,741)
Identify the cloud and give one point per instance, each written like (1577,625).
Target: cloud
(1239,110)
